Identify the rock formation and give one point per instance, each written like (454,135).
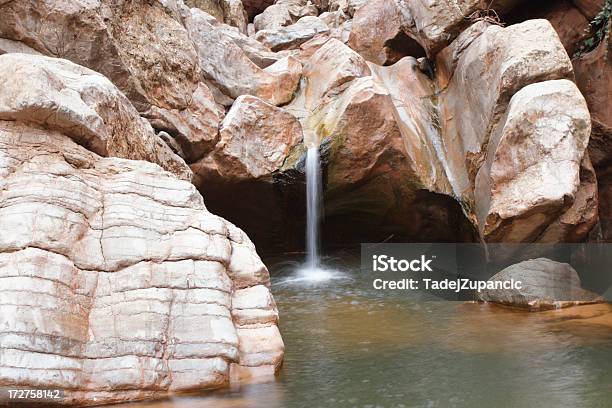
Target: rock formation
(544,284)
(435,120)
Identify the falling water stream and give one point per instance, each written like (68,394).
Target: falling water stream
(313,208)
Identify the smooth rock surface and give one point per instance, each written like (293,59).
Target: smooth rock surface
(226,65)
(482,69)
(546,284)
(532,169)
(292,36)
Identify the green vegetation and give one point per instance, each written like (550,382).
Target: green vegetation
(599,29)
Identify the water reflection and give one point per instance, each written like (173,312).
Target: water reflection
(349,346)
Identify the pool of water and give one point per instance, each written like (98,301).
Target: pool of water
(350,346)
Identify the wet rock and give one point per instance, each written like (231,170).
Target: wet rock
(292,36)
(546,284)
(330,66)
(227,66)
(376,154)
(377,33)
(531,173)
(82,104)
(142,49)
(134,290)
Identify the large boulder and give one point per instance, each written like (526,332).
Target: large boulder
(484,68)
(195,128)
(226,65)
(116,282)
(82,104)
(329,65)
(377,33)
(545,284)
(136,44)
(258,143)
(292,36)
(436,23)
(531,173)
(383,176)
(231,12)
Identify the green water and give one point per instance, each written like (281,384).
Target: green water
(350,346)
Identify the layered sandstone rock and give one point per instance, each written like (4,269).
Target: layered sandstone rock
(82,104)
(116,281)
(545,284)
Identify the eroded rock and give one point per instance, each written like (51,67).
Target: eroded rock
(532,170)
(82,104)
(228,67)
(292,36)
(546,284)
(377,33)
(134,290)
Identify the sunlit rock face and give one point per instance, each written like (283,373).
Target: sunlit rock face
(486,68)
(117,283)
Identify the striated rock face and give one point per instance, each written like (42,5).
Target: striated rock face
(132,288)
(82,104)
(546,284)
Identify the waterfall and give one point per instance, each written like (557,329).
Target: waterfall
(313,207)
